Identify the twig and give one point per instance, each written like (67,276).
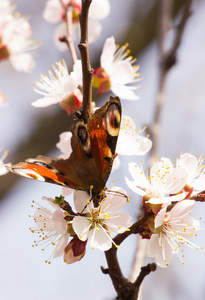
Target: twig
(144,272)
(124,288)
(199,197)
(86,67)
(70,43)
(68,39)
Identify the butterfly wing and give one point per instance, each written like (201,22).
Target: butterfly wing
(91,160)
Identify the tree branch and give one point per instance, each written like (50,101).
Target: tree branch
(124,288)
(86,67)
(69,38)
(199,197)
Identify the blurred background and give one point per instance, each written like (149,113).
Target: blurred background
(27,131)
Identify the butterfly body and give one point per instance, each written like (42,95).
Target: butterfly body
(93,151)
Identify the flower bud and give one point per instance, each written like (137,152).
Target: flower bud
(75,250)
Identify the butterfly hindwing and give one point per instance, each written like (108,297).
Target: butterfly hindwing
(93,150)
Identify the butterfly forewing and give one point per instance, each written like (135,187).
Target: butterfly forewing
(93,150)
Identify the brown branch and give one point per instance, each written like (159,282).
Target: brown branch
(199,197)
(86,67)
(68,39)
(144,272)
(124,288)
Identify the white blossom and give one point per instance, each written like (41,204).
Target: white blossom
(61,87)
(162,181)
(117,72)
(173,229)
(51,227)
(54,13)
(16,42)
(96,223)
(195,171)
(130,142)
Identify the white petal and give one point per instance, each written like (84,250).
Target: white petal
(116,163)
(77,73)
(174,198)
(3,168)
(81,199)
(81,227)
(94,31)
(159,220)
(60,31)
(123,91)
(138,175)
(99,9)
(67,191)
(65,143)
(52,12)
(133,187)
(115,199)
(23,62)
(176,180)
(199,183)
(182,208)
(164,253)
(60,247)
(108,51)
(46,101)
(153,245)
(189,162)
(99,239)
(159,171)
(133,145)
(119,222)
(122,73)
(59,222)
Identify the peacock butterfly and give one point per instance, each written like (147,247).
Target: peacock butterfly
(93,150)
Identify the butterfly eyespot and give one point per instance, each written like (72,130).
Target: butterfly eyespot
(84,138)
(113,119)
(82,134)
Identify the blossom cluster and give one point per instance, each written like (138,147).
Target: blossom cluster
(16,43)
(56,12)
(166,192)
(93,224)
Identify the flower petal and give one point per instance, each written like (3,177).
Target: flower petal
(81,199)
(182,208)
(81,227)
(176,180)
(65,144)
(133,187)
(52,12)
(119,222)
(159,220)
(115,199)
(61,245)
(99,9)
(138,175)
(99,239)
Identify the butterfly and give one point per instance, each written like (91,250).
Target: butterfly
(93,151)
